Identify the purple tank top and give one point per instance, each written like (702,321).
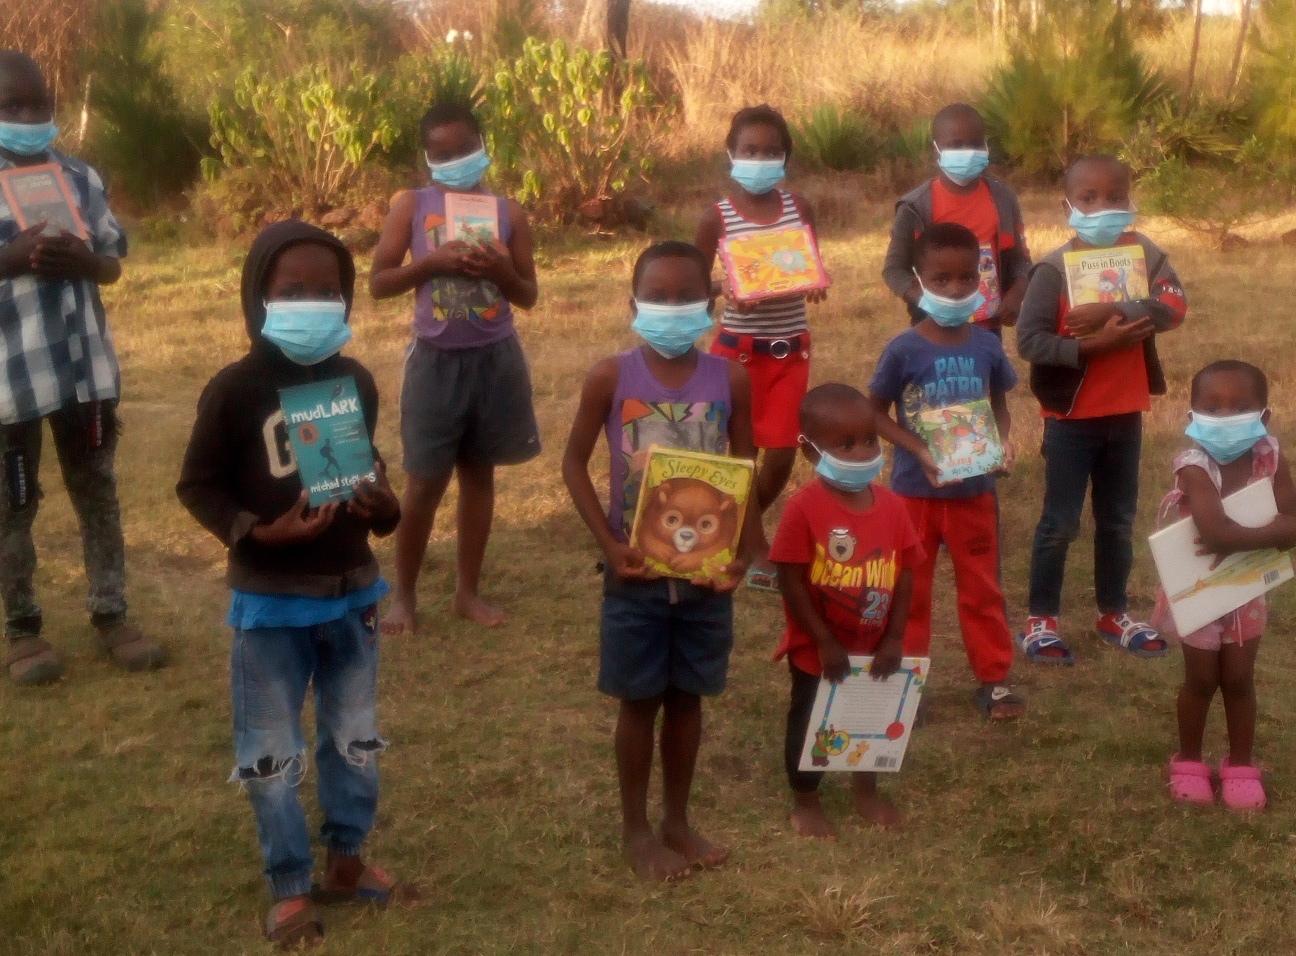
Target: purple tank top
(645,412)
(455,312)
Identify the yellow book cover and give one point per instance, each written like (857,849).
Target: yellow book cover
(690,513)
(773,262)
(1117,274)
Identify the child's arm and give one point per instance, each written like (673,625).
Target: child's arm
(1038,340)
(595,405)
(389,275)
(710,229)
(511,267)
(66,256)
(1014,268)
(897,269)
(1167,305)
(890,650)
(901,437)
(1284,489)
(742,444)
(808,214)
(800,607)
(1003,422)
(1220,534)
(374,503)
(16,255)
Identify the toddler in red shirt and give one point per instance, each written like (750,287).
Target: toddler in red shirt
(845,550)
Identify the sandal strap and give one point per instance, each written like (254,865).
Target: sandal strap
(1041,640)
(25,648)
(1189,768)
(120,635)
(289,915)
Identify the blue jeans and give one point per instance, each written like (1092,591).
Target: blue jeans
(270,670)
(1105,452)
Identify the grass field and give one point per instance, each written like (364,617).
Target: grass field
(119,834)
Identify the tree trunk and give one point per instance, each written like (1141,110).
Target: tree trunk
(1244,24)
(618,26)
(1196,46)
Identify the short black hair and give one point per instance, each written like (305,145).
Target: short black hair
(445,112)
(822,399)
(763,115)
(945,235)
(956,111)
(1093,159)
(1259,381)
(671,249)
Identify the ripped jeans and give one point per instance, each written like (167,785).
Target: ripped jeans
(270,669)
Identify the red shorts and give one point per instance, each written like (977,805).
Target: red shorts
(777,385)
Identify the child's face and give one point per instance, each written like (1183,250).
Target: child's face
(673,280)
(308,272)
(846,432)
(24,98)
(953,273)
(451,141)
(1097,186)
(961,131)
(1222,394)
(758,141)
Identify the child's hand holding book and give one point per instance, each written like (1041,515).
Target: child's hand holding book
(297,525)
(626,563)
(63,256)
(491,261)
(374,501)
(1086,320)
(16,256)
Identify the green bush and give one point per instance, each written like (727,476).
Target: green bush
(441,75)
(1198,134)
(1272,75)
(838,138)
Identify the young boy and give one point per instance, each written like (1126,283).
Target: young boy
(665,643)
(57,363)
(305,584)
(1094,369)
(830,532)
(962,193)
(946,360)
(466,395)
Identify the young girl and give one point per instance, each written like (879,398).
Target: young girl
(769,338)
(1233,449)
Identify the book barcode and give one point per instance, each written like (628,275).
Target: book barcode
(1271,577)
(886,763)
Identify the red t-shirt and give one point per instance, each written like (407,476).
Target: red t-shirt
(852,560)
(975,210)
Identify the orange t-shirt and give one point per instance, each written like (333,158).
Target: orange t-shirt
(975,210)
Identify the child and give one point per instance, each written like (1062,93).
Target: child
(306,586)
(665,643)
(769,338)
(962,193)
(841,521)
(1230,409)
(58,364)
(946,360)
(1094,369)
(466,395)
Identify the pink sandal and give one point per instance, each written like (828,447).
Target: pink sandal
(1240,787)
(1190,781)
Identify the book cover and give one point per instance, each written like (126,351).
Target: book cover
(690,513)
(40,193)
(989,285)
(963,439)
(1198,593)
(472,217)
(773,262)
(1114,275)
(861,724)
(329,438)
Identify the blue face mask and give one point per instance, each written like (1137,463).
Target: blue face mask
(309,331)
(1227,438)
(671,330)
(963,165)
(848,476)
(947,312)
(462,173)
(1101,228)
(757,176)
(27,139)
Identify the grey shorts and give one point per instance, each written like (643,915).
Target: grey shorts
(470,406)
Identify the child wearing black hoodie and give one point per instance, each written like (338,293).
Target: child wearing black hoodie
(305,582)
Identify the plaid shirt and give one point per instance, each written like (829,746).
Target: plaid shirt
(55,347)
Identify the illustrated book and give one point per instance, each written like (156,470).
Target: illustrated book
(772,263)
(861,724)
(472,218)
(1114,275)
(329,437)
(963,438)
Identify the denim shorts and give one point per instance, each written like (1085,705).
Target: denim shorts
(662,634)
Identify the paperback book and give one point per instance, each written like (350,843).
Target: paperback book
(772,263)
(861,724)
(329,438)
(40,194)
(1114,275)
(963,439)
(472,218)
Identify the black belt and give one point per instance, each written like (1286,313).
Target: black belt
(778,348)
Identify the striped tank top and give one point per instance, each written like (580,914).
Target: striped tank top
(771,318)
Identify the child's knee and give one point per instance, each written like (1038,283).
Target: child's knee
(1057,529)
(270,773)
(1237,686)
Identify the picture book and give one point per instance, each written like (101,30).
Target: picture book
(690,513)
(41,194)
(773,262)
(472,217)
(329,438)
(862,724)
(1198,593)
(1118,274)
(963,439)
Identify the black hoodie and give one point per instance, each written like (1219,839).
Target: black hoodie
(239,468)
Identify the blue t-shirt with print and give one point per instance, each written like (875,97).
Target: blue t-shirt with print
(916,372)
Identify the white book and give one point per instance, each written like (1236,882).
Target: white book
(861,724)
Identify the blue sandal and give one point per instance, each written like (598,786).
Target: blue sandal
(1041,635)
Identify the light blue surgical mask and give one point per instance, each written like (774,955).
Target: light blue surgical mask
(1227,438)
(307,331)
(1101,228)
(671,330)
(757,176)
(947,312)
(462,173)
(27,139)
(963,165)
(848,476)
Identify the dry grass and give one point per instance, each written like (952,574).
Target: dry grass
(1050,837)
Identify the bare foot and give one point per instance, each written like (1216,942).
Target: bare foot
(809,819)
(877,810)
(472,607)
(651,860)
(399,618)
(693,846)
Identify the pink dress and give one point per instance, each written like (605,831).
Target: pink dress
(1248,621)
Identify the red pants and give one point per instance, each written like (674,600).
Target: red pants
(969,529)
